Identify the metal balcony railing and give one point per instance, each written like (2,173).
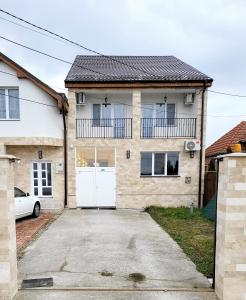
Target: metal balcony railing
(168,128)
(120,128)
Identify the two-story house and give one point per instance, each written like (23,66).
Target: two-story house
(136,130)
(32,128)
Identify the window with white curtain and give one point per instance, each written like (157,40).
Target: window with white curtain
(102,115)
(165,114)
(9,104)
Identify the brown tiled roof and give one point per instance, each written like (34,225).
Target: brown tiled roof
(235,135)
(89,68)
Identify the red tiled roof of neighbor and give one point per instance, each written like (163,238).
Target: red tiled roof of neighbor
(232,137)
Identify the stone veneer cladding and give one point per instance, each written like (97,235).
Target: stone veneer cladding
(133,191)
(230,280)
(8,265)
(23,171)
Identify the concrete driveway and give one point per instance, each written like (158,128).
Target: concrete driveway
(107,249)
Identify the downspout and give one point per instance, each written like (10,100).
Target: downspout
(65,150)
(201,151)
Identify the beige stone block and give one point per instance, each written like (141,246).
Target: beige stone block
(232,163)
(241,268)
(240,186)
(4,272)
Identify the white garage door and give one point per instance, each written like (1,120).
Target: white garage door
(95,178)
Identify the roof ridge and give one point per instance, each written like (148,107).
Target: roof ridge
(124,55)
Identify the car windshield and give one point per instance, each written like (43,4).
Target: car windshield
(19,193)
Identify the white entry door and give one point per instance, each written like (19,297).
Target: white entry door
(95,178)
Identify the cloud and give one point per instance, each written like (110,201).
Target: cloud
(208,35)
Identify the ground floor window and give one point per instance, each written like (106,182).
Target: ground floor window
(42,179)
(95,157)
(159,163)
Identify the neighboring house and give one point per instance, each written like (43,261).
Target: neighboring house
(33,132)
(236,135)
(128,123)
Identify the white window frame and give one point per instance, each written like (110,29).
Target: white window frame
(40,186)
(6,92)
(153,164)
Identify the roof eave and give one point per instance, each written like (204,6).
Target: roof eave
(138,83)
(22,73)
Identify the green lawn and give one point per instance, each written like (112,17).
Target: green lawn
(192,232)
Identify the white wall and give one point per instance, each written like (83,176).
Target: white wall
(174,97)
(147,97)
(35,120)
(86,111)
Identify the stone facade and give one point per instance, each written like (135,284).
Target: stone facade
(132,190)
(23,172)
(230,273)
(8,264)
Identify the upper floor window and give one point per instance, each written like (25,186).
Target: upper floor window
(101,115)
(9,104)
(164,114)
(167,112)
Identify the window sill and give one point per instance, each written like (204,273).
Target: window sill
(9,119)
(156,176)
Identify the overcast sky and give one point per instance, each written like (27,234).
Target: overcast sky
(209,35)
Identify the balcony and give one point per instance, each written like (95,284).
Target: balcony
(119,128)
(168,128)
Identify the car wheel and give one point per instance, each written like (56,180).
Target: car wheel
(36,210)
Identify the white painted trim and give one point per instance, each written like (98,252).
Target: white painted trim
(165,162)
(40,186)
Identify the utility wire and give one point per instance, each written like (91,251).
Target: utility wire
(103,98)
(77,44)
(59,37)
(227,94)
(29,100)
(33,30)
(49,55)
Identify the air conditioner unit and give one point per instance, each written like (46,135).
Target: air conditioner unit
(189,99)
(192,145)
(80,98)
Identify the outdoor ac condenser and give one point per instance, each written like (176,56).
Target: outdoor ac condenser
(189,99)
(80,98)
(192,145)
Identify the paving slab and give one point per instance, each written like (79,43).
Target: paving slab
(109,249)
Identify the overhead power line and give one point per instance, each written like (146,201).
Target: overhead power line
(33,30)
(29,100)
(77,44)
(49,55)
(61,38)
(102,99)
(227,94)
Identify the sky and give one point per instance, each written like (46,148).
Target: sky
(209,35)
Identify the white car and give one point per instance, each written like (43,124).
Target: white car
(26,205)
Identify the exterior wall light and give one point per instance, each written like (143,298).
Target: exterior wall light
(106,103)
(192,154)
(40,154)
(128,154)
